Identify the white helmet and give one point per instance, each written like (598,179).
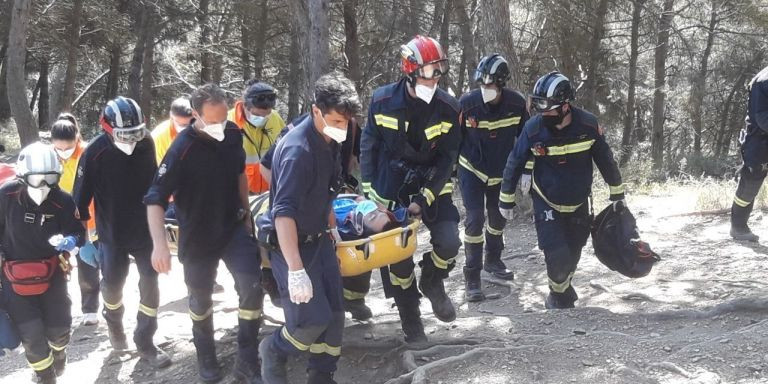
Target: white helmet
(38,159)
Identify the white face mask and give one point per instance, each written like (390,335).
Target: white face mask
(257,121)
(424,92)
(216,131)
(489,94)
(66,154)
(336,134)
(127,148)
(38,195)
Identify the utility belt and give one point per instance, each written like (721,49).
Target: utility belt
(266,234)
(33,277)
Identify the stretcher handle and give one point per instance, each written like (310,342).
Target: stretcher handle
(404,235)
(364,248)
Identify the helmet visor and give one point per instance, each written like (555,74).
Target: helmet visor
(130,135)
(484,78)
(543,104)
(37,180)
(433,70)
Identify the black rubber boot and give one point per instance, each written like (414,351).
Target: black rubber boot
(496,267)
(247,372)
(407,302)
(207,364)
(269,285)
(739,228)
(148,352)
(154,356)
(273,370)
(316,377)
(357,309)
(431,285)
(46,376)
(565,300)
(115,327)
(474,291)
(59,361)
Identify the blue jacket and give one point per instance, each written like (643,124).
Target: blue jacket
(490,133)
(757,109)
(385,150)
(562,162)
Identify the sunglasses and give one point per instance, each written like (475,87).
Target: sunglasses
(130,135)
(264,97)
(37,180)
(433,70)
(543,104)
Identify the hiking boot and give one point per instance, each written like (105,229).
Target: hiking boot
(498,269)
(117,337)
(739,228)
(431,285)
(154,357)
(59,362)
(208,368)
(273,370)
(410,315)
(46,376)
(744,234)
(474,291)
(357,309)
(90,319)
(316,377)
(565,300)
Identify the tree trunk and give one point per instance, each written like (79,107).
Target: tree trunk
(16,84)
(294,74)
(134,75)
(696,97)
(206,58)
(626,135)
(43,103)
(352,46)
(298,57)
(73,37)
(245,40)
(319,36)
(660,83)
(446,81)
(469,55)
(414,23)
(113,81)
(259,45)
(497,33)
(148,66)
(5,108)
(595,56)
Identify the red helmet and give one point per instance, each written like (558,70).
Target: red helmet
(421,51)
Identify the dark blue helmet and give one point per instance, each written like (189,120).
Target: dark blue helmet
(121,113)
(551,91)
(492,69)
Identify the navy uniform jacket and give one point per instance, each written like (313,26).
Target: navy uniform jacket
(203,175)
(26,227)
(305,177)
(385,142)
(117,183)
(562,162)
(757,109)
(490,132)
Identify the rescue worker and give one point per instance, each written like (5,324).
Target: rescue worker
(304,182)
(69,146)
(115,172)
(260,124)
(564,141)
(492,118)
(407,152)
(179,117)
(204,171)
(39,231)
(754,152)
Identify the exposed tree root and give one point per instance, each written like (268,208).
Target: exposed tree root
(747,304)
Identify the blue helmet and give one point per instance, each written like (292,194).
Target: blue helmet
(551,91)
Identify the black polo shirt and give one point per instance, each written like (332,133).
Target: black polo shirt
(117,183)
(202,175)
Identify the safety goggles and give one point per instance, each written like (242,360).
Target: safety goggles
(37,180)
(263,97)
(433,70)
(543,104)
(130,135)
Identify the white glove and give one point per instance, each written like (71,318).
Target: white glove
(525,184)
(508,214)
(335,235)
(299,286)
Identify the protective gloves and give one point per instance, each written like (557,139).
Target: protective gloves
(299,286)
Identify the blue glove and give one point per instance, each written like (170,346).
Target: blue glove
(65,244)
(89,253)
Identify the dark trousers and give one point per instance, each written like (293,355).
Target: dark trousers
(242,259)
(561,237)
(43,321)
(114,264)
(316,326)
(479,199)
(754,152)
(356,287)
(88,280)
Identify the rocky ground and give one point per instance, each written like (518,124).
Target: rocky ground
(699,317)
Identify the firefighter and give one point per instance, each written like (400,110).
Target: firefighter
(115,172)
(305,179)
(754,151)
(564,141)
(39,230)
(492,118)
(407,152)
(69,147)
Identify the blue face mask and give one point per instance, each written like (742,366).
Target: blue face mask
(366,207)
(257,121)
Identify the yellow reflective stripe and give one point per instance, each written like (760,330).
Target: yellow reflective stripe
(113,307)
(440,263)
(433,131)
(325,348)
(445,127)
(248,314)
(740,202)
(616,190)
(556,207)
(561,287)
(559,150)
(56,347)
(495,180)
(196,317)
(491,125)
(473,239)
(296,343)
(428,195)
(403,283)
(366,187)
(447,189)
(375,197)
(386,121)
(352,295)
(151,312)
(494,231)
(42,364)
(465,163)
(507,197)
(529,164)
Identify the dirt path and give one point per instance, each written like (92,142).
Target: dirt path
(700,317)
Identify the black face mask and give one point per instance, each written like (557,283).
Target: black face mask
(552,121)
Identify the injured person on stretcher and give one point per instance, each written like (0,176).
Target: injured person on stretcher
(357,217)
